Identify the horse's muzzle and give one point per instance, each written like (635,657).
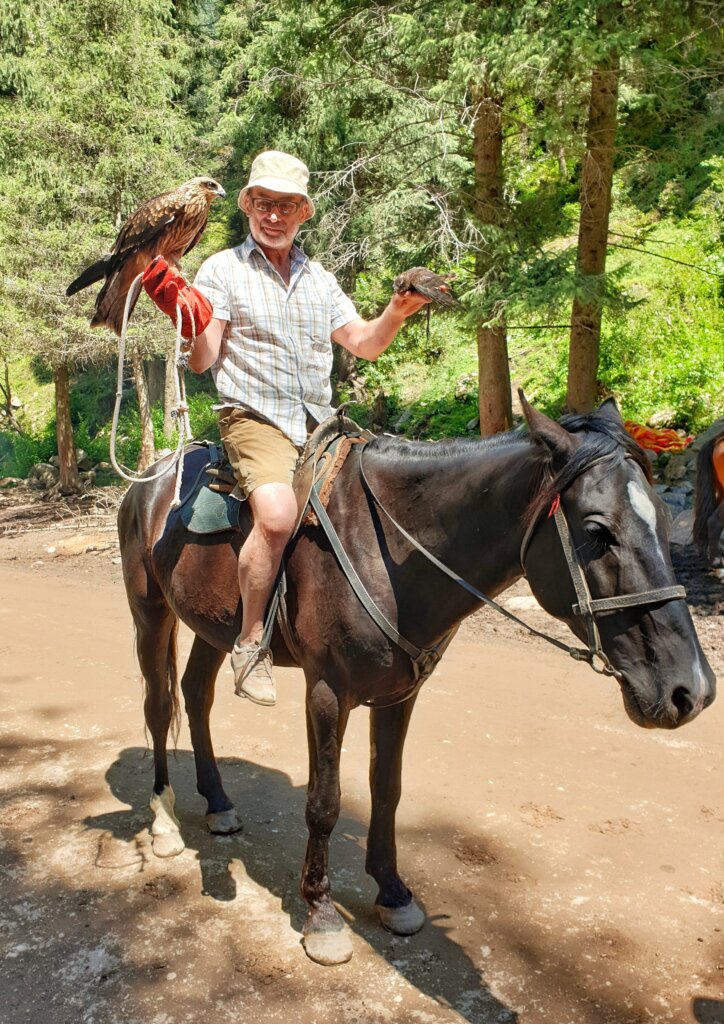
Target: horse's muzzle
(668,710)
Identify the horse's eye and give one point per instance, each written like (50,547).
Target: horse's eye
(598,533)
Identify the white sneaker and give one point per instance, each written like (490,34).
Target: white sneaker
(253,678)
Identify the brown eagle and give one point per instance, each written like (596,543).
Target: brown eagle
(426,282)
(168,225)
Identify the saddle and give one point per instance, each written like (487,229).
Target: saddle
(212,502)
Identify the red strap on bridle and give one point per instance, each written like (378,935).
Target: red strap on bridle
(555,505)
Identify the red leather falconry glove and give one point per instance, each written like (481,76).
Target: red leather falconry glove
(167,288)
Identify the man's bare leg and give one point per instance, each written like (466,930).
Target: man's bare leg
(274,515)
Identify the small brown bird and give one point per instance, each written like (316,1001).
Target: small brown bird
(168,225)
(432,286)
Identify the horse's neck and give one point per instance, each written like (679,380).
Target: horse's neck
(468,510)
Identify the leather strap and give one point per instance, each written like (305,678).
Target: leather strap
(373,610)
(424,660)
(586,605)
(607,604)
(577,653)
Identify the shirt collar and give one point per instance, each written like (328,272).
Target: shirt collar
(298,256)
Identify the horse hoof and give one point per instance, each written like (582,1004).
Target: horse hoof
(168,844)
(328,948)
(401,920)
(223,823)
(166,831)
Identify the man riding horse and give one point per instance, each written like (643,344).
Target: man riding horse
(263,314)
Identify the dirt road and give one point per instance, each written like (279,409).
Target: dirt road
(572,865)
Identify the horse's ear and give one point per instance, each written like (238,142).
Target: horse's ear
(546,431)
(609,410)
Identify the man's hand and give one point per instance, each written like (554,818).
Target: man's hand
(404,304)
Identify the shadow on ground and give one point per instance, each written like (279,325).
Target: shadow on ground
(271,848)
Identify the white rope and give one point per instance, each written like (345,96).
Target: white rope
(180,411)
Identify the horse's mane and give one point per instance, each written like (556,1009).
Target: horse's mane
(602,437)
(450,447)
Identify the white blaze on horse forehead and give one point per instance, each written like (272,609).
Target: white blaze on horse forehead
(644,508)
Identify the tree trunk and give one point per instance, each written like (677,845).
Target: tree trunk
(169,396)
(7,400)
(156,379)
(596,181)
(494,399)
(147,453)
(68,464)
(344,362)
(344,365)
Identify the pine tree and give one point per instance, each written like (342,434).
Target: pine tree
(408,117)
(89,127)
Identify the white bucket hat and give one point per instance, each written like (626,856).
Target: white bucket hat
(279,172)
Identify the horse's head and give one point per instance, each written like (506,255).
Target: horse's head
(619,536)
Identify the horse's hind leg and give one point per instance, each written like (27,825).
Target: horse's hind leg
(326,940)
(395,905)
(156,627)
(198,685)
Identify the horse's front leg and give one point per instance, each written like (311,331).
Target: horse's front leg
(198,685)
(326,939)
(395,905)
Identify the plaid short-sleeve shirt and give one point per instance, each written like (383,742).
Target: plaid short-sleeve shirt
(276,353)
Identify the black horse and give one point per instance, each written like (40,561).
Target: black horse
(484,508)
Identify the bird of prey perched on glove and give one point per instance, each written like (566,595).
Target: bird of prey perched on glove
(168,225)
(432,286)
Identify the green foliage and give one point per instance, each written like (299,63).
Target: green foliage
(106,102)
(90,125)
(661,344)
(19,452)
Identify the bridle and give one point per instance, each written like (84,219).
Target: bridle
(586,606)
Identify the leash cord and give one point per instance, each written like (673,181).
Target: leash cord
(180,411)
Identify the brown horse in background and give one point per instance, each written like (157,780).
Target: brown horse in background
(709,505)
(481,506)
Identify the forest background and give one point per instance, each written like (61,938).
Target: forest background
(562,158)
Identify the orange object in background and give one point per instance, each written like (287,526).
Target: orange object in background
(664,440)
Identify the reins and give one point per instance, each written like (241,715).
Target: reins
(579,654)
(180,411)
(587,606)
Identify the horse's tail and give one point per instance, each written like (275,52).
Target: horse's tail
(172,682)
(706,494)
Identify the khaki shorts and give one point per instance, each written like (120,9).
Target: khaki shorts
(258,451)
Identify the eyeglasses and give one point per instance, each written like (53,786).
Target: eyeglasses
(285,207)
